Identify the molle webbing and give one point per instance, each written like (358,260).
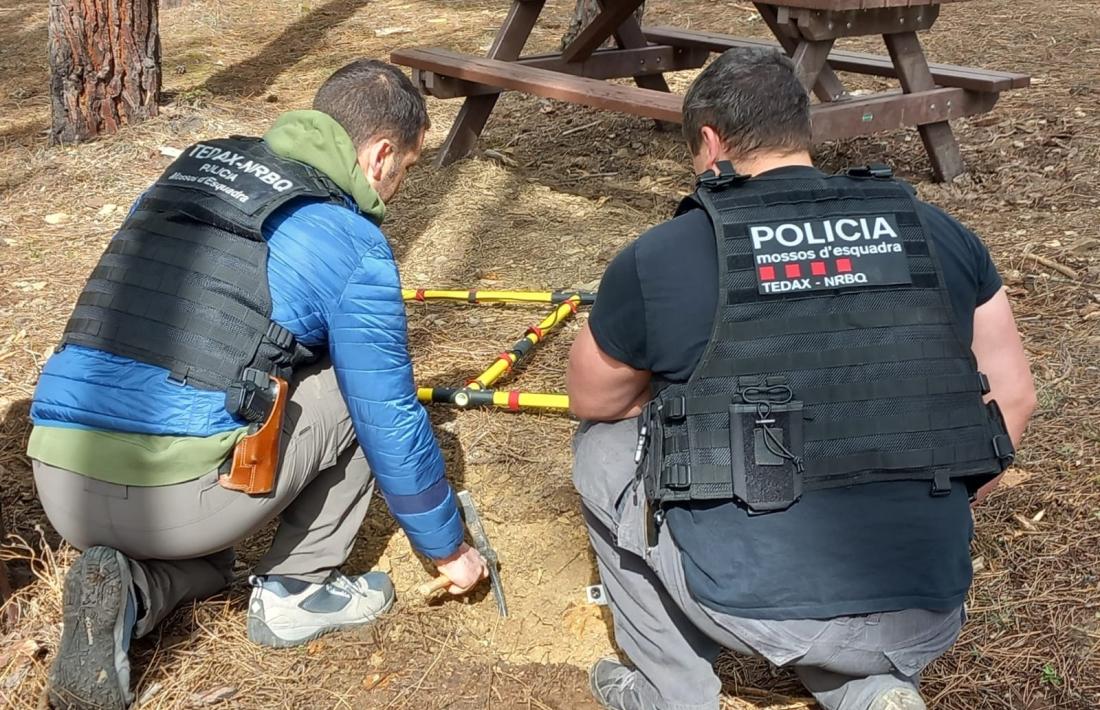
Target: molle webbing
(846,325)
(183,284)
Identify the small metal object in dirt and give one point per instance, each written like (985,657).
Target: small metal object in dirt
(596,595)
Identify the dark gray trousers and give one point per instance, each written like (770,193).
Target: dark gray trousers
(673,640)
(180,538)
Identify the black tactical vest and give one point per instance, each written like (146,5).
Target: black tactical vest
(183,284)
(835,357)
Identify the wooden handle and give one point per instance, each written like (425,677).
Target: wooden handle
(429,588)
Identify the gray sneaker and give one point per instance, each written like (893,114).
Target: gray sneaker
(901,698)
(284,612)
(612,684)
(92,667)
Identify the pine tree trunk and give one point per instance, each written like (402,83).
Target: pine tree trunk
(104,66)
(583,13)
(7,619)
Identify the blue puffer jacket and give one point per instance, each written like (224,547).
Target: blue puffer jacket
(333,280)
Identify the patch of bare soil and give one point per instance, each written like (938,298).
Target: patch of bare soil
(579,184)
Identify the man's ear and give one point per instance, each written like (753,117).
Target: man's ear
(375,158)
(713,148)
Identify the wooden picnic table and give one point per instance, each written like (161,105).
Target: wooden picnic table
(930,95)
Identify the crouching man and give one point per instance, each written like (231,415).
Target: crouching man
(793,364)
(238,355)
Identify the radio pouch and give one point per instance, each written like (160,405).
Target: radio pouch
(766,455)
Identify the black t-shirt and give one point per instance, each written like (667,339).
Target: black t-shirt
(865,549)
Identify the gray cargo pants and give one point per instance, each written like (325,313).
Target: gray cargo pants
(180,538)
(673,640)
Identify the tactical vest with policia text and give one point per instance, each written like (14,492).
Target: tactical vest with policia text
(183,284)
(835,358)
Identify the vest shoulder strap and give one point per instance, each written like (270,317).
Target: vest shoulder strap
(878,171)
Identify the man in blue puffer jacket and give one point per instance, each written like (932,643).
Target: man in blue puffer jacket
(132,426)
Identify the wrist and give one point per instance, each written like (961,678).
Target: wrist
(451,557)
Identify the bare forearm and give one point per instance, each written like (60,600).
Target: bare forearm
(1001,356)
(1017,413)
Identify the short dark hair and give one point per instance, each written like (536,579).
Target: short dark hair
(753,100)
(371,98)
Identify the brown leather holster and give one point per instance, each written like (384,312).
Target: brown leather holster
(256,456)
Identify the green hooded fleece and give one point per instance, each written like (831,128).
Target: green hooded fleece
(316,139)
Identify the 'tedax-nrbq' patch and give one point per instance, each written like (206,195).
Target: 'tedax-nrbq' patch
(242,180)
(841,252)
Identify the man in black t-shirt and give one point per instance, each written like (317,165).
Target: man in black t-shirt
(865,316)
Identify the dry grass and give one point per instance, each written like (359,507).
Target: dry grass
(584,184)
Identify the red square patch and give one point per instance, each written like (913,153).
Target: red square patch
(844,266)
(817,268)
(793,271)
(767,273)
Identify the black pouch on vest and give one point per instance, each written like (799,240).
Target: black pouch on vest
(766,455)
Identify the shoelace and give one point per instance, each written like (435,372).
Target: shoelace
(358,588)
(620,684)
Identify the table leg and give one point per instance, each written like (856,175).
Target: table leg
(613,13)
(828,86)
(475,110)
(629,35)
(912,68)
(810,60)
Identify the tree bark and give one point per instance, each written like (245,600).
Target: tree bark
(7,619)
(104,66)
(584,13)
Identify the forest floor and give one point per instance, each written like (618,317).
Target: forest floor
(574,186)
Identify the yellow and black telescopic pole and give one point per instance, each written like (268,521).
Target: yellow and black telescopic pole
(473,295)
(523,347)
(478,392)
(513,400)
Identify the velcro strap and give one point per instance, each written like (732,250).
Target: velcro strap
(882,389)
(897,423)
(854,392)
(754,330)
(706,482)
(819,359)
(929,280)
(838,471)
(714,439)
(279,336)
(714,482)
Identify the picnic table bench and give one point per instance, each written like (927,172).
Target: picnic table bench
(930,94)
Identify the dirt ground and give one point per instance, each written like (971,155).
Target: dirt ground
(577,186)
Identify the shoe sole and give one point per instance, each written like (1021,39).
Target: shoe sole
(260,633)
(83,676)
